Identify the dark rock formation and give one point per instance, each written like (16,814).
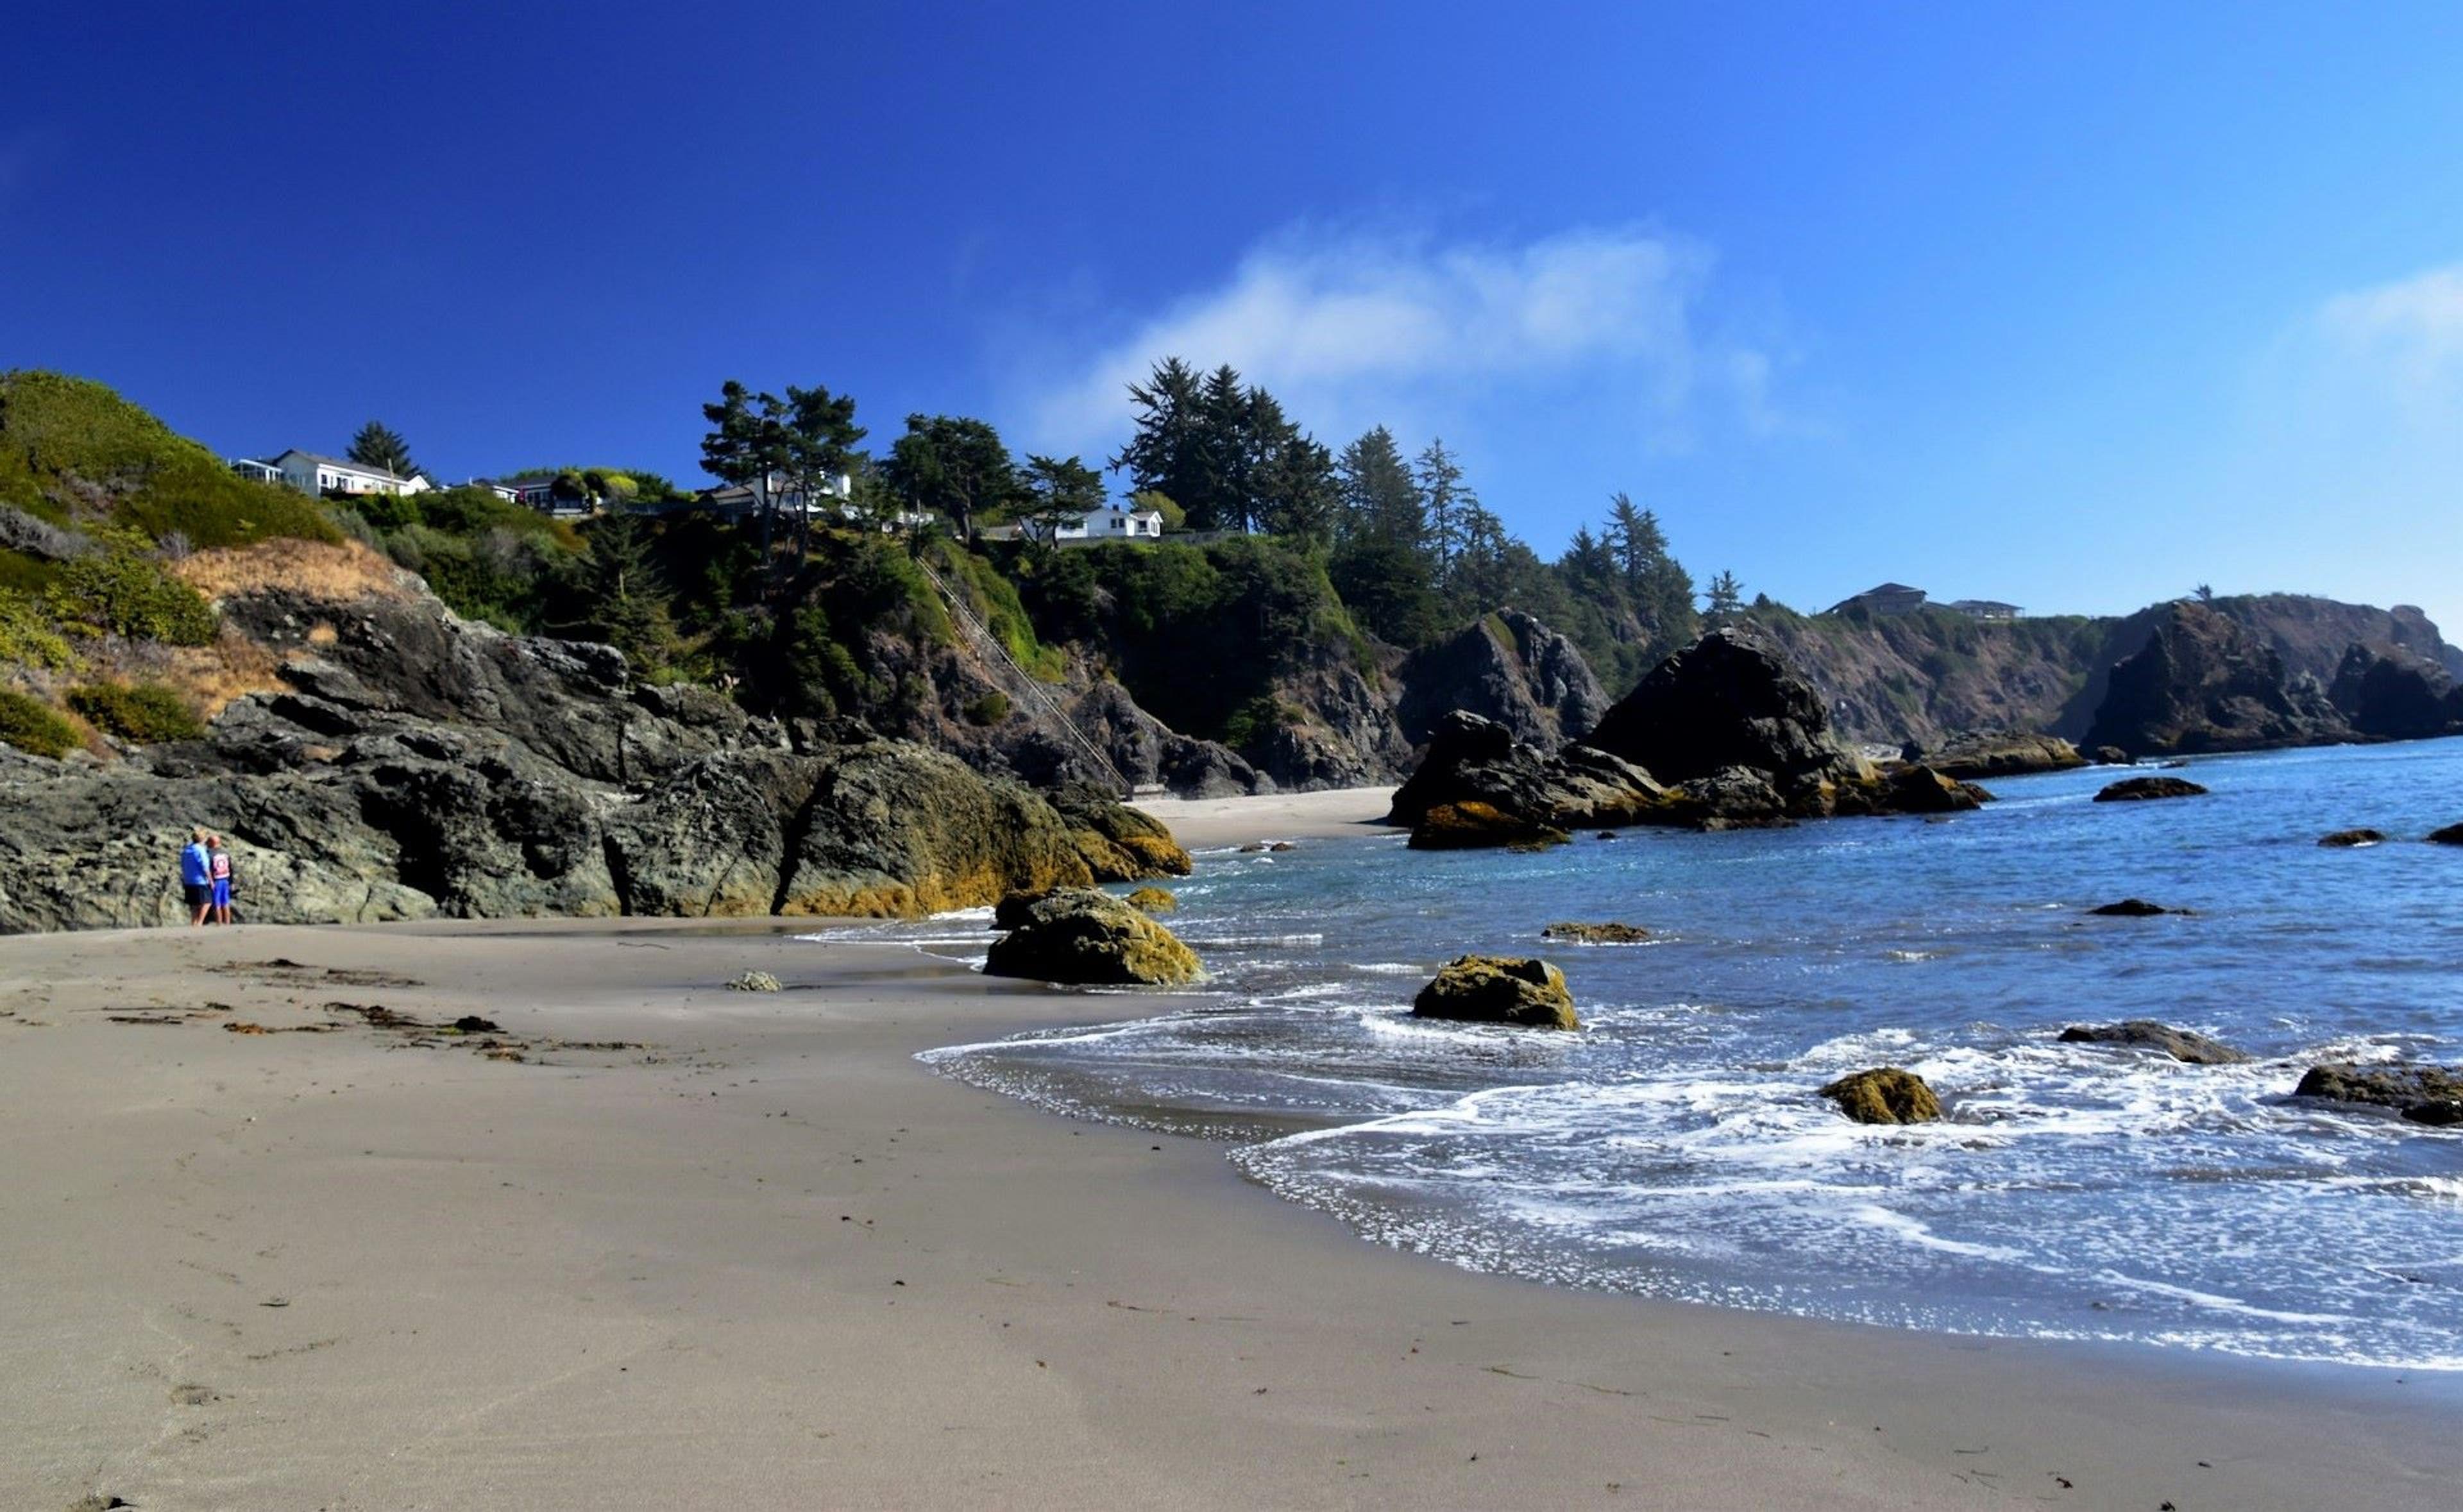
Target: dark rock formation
(1726,702)
(413,765)
(2140,790)
(2113,756)
(1499,989)
(2428,1094)
(2134,908)
(2146,1034)
(1599,933)
(1887,1095)
(1508,668)
(2005,753)
(1743,742)
(2345,839)
(2395,695)
(1473,825)
(1081,936)
(2205,682)
(2452,834)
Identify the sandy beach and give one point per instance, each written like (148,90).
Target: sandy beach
(647,1243)
(1205,823)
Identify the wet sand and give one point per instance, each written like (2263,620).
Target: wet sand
(755,1254)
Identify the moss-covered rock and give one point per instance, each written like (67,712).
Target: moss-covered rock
(1519,990)
(1598,934)
(1154,900)
(1081,936)
(1118,843)
(1887,1095)
(1477,826)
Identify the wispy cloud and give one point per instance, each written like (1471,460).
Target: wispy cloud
(1354,329)
(2406,337)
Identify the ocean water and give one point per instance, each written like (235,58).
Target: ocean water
(1675,1148)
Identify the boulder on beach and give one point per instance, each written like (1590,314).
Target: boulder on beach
(1082,937)
(2427,1094)
(1153,900)
(1519,990)
(1474,825)
(2140,790)
(753,982)
(1598,933)
(2347,839)
(2134,908)
(1885,1094)
(1011,911)
(2147,1035)
(1118,843)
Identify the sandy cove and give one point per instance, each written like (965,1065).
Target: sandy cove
(759,1256)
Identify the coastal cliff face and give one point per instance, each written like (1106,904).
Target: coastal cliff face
(1506,667)
(1923,679)
(393,761)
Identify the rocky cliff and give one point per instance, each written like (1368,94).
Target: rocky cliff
(383,759)
(1506,667)
(1925,677)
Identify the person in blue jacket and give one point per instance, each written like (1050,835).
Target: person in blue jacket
(197,877)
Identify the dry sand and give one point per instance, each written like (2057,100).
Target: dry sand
(762,1258)
(1206,823)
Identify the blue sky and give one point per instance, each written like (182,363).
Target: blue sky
(2074,305)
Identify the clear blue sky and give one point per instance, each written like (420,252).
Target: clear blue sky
(2072,305)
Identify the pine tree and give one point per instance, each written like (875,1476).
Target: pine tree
(378,446)
(1445,498)
(1380,499)
(1727,597)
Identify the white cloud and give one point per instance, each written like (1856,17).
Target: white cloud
(1351,330)
(2405,338)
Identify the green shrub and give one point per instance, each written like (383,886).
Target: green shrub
(989,709)
(27,638)
(34,726)
(122,592)
(65,439)
(147,713)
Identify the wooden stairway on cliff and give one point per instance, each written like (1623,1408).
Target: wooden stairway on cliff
(1038,703)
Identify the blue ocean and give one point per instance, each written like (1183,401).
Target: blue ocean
(1675,1148)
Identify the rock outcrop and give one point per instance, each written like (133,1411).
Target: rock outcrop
(2134,908)
(1596,934)
(2451,835)
(1518,990)
(1507,668)
(402,762)
(2206,683)
(1718,736)
(2352,839)
(2003,753)
(2147,1035)
(2427,1094)
(1471,826)
(1152,900)
(1082,937)
(2395,695)
(2143,789)
(1885,1094)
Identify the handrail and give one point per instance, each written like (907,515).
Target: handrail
(990,646)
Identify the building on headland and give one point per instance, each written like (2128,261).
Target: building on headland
(535,490)
(1886,598)
(1987,608)
(310,473)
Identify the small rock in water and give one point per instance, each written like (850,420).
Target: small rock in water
(1475,825)
(2138,790)
(1153,900)
(2452,834)
(2346,838)
(1885,1094)
(753,982)
(2134,908)
(1601,933)
(2424,1094)
(2147,1035)
(1499,989)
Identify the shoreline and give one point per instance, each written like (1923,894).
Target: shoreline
(765,1253)
(1333,813)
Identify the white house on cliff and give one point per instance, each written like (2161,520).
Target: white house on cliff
(316,476)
